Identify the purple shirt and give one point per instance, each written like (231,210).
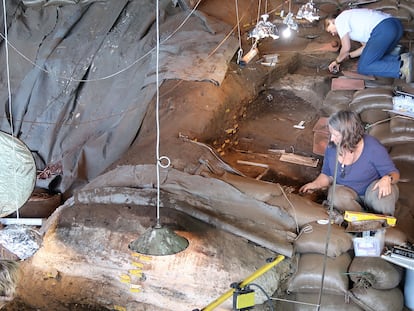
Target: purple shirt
(373,163)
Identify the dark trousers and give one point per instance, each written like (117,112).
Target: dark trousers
(376,59)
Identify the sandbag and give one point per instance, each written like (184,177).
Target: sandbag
(370,93)
(328,303)
(382,5)
(313,238)
(395,236)
(300,208)
(403,152)
(308,276)
(401,124)
(371,116)
(374,272)
(372,299)
(383,133)
(407,5)
(402,14)
(379,103)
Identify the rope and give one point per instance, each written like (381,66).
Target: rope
(293,208)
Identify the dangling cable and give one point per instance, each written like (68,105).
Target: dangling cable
(240,52)
(157,151)
(258,11)
(6,40)
(328,234)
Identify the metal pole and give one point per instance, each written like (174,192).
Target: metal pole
(245,282)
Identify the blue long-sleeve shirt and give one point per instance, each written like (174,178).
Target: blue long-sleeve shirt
(373,163)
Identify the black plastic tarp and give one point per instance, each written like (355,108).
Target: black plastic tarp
(82,76)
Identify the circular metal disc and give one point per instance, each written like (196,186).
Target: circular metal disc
(17,174)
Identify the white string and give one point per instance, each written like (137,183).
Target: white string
(10,101)
(328,234)
(157,151)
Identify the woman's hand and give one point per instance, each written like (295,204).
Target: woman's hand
(320,182)
(309,187)
(334,67)
(384,186)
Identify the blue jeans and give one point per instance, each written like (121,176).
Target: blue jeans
(376,59)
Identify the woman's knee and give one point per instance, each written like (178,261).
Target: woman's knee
(384,205)
(344,199)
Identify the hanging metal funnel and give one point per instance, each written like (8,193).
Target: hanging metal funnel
(159,241)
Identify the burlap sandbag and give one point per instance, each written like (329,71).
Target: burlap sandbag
(383,133)
(401,124)
(395,236)
(402,14)
(378,103)
(404,213)
(308,276)
(313,238)
(374,272)
(403,152)
(370,93)
(371,299)
(328,303)
(302,210)
(372,116)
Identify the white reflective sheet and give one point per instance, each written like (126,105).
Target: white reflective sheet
(17,174)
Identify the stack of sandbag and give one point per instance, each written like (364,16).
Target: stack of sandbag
(306,283)
(403,9)
(375,284)
(396,133)
(349,282)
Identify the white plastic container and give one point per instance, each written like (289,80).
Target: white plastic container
(370,244)
(409,289)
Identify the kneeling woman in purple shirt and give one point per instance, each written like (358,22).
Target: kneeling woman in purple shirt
(366,176)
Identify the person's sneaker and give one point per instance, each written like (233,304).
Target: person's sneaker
(407,67)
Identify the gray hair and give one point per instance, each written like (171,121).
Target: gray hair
(350,126)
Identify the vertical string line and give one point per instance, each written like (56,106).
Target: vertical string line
(240,52)
(6,41)
(157,151)
(258,11)
(328,234)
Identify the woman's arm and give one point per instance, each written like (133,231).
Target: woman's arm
(357,52)
(343,53)
(345,48)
